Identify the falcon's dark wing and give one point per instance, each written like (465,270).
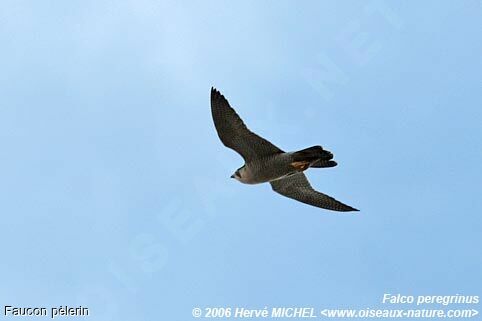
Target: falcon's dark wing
(234,133)
(297,187)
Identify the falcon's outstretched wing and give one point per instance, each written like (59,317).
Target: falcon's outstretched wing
(297,187)
(234,133)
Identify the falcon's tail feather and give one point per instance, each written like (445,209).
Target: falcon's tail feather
(323,163)
(316,156)
(312,154)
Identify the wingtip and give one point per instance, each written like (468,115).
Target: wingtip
(214,92)
(348,208)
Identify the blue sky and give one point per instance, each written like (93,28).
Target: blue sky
(115,190)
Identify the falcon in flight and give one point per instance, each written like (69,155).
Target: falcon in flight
(264,162)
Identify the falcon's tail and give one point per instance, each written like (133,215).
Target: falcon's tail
(316,156)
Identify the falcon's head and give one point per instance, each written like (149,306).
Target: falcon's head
(238,174)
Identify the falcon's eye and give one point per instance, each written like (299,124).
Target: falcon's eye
(238,174)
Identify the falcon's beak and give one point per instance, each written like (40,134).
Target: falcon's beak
(232,176)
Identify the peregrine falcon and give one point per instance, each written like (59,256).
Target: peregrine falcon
(264,162)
